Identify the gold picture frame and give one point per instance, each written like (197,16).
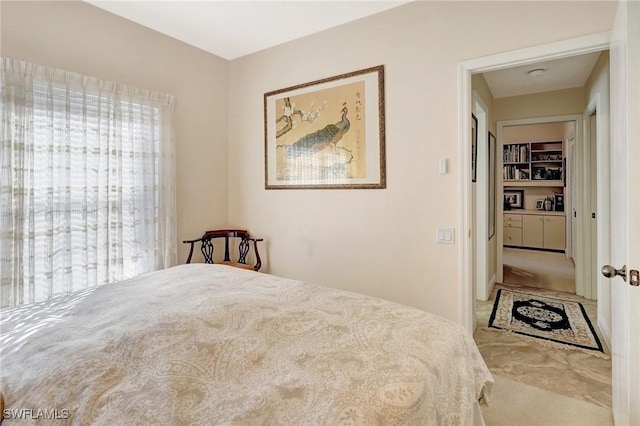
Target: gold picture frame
(327,134)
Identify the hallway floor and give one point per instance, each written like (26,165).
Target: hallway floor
(574,373)
(537,268)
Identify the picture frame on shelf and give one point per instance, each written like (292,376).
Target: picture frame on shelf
(553,173)
(539,204)
(538,173)
(514,198)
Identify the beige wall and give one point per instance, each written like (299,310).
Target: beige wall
(382,242)
(78,37)
(546,104)
(534,133)
(479,85)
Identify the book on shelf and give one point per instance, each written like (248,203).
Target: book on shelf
(515,153)
(513,172)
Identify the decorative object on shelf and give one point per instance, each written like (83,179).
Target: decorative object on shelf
(548,204)
(474,146)
(327,134)
(539,173)
(514,198)
(491,142)
(553,174)
(558,202)
(539,204)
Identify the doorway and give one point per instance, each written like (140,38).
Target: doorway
(537,233)
(581,204)
(578,46)
(536,246)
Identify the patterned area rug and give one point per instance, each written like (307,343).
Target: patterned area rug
(555,320)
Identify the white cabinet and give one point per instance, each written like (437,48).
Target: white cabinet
(531,230)
(554,232)
(512,227)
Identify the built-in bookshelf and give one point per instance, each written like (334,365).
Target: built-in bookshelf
(541,163)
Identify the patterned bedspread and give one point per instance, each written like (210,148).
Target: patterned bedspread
(212,344)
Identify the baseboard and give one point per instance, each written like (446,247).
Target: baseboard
(537,248)
(492,284)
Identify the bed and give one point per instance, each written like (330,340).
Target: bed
(213,344)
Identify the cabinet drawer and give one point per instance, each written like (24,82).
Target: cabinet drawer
(512,218)
(512,236)
(512,224)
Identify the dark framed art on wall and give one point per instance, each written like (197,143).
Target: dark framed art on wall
(474,146)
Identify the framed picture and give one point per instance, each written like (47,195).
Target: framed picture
(474,146)
(514,198)
(327,134)
(491,142)
(539,204)
(539,173)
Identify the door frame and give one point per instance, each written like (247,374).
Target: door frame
(600,286)
(484,283)
(556,50)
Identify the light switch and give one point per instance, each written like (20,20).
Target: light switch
(442,166)
(444,235)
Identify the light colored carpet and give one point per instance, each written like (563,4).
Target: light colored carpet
(541,269)
(516,404)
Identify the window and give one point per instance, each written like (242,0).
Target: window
(88,197)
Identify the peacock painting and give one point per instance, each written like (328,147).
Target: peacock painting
(320,135)
(328,133)
(321,139)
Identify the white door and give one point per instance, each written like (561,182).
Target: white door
(625,212)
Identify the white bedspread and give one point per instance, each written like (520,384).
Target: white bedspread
(212,344)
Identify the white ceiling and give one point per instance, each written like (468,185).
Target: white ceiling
(235,28)
(558,74)
(231,29)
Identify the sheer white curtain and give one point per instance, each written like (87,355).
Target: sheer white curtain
(87,182)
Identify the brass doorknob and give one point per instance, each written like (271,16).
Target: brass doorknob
(610,272)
